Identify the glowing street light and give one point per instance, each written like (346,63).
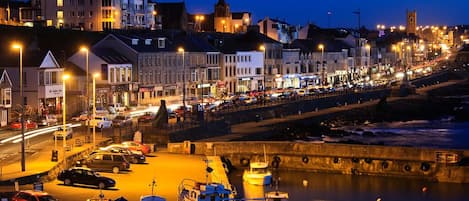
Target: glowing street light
(182,51)
(262,48)
(87,63)
(94,108)
(23,159)
(321,47)
(65,77)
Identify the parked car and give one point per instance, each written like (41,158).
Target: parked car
(100,161)
(29,195)
(101,122)
(147,117)
(132,157)
(47,120)
(59,133)
(121,121)
(28,124)
(132,145)
(82,117)
(86,176)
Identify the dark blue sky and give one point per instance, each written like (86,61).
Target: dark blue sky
(373,12)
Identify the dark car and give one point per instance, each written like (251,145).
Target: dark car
(29,195)
(101,161)
(132,157)
(86,176)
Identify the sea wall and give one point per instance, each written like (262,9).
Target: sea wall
(441,165)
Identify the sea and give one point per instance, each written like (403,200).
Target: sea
(307,186)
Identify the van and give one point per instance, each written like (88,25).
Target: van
(60,134)
(103,161)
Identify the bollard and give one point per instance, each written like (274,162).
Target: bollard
(345,103)
(316,109)
(299,112)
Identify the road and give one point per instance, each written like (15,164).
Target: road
(168,170)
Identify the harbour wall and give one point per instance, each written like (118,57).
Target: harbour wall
(442,165)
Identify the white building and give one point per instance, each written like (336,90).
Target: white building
(249,73)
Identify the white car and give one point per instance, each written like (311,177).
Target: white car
(101,122)
(59,133)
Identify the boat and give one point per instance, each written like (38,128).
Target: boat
(276,196)
(191,190)
(152,197)
(258,173)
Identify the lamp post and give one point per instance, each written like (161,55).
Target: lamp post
(262,48)
(321,47)
(23,159)
(86,51)
(94,108)
(368,60)
(64,116)
(198,22)
(182,51)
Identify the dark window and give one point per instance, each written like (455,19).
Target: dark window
(107,157)
(118,158)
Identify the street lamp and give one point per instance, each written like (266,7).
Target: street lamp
(23,159)
(182,51)
(86,51)
(94,108)
(262,48)
(65,77)
(321,47)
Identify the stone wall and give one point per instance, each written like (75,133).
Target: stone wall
(337,158)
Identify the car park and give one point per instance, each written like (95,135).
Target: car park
(59,133)
(29,195)
(85,176)
(100,161)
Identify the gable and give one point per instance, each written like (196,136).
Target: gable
(5,80)
(49,61)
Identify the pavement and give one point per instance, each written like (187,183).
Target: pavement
(38,162)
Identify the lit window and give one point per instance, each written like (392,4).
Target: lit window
(60,3)
(60,14)
(49,23)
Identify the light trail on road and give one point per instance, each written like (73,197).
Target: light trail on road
(34,133)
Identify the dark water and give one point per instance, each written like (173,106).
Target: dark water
(336,187)
(418,133)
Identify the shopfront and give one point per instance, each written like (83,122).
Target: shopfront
(50,97)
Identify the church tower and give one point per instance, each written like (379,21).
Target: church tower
(223,18)
(411,22)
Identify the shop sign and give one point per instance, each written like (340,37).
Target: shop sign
(53,91)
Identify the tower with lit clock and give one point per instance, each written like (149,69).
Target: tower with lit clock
(411,27)
(222,17)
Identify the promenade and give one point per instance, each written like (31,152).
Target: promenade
(38,160)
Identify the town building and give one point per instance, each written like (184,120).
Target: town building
(161,70)
(278,30)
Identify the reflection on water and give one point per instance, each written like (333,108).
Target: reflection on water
(305,186)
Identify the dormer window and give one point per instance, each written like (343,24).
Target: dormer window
(147,41)
(134,41)
(161,43)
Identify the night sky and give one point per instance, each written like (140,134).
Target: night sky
(373,12)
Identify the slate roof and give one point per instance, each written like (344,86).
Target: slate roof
(310,45)
(110,56)
(174,39)
(36,42)
(231,43)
